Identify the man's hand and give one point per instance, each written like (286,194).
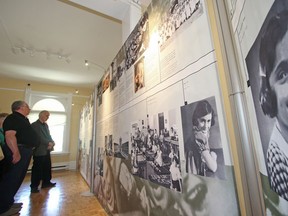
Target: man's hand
(16,157)
(51,146)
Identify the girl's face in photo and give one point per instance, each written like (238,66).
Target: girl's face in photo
(204,123)
(278,81)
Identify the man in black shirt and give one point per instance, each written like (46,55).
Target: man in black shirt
(21,139)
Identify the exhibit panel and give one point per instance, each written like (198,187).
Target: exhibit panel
(85,140)
(261,42)
(81,145)
(161,140)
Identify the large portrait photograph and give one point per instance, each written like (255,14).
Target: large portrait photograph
(267,65)
(202,142)
(139,74)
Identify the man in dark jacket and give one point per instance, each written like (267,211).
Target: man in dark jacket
(41,169)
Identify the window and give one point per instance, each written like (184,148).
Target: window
(59,107)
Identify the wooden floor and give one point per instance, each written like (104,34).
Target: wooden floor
(68,198)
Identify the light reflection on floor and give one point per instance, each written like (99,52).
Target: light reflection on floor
(64,199)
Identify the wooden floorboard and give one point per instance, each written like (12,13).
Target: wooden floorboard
(68,198)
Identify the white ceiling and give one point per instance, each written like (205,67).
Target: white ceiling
(48,40)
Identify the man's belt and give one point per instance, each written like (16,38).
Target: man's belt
(25,146)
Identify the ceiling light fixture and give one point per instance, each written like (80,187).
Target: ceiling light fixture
(87,63)
(32,52)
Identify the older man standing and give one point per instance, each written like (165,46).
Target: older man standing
(21,139)
(41,169)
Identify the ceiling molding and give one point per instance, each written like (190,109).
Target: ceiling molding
(81,7)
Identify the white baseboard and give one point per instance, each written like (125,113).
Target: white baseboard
(71,165)
(60,166)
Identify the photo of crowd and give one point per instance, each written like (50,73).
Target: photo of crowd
(155,155)
(137,42)
(179,12)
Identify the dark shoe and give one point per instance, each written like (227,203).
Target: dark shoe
(11,211)
(34,190)
(49,185)
(17,205)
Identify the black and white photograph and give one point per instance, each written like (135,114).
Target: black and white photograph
(137,42)
(109,145)
(132,121)
(137,151)
(124,135)
(117,68)
(99,93)
(179,12)
(201,139)
(99,161)
(121,150)
(162,152)
(155,152)
(164,134)
(267,64)
(139,73)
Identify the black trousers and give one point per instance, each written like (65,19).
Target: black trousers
(41,170)
(5,163)
(12,180)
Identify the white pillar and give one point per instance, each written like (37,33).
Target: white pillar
(130,19)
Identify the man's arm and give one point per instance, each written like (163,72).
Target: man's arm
(43,140)
(11,141)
